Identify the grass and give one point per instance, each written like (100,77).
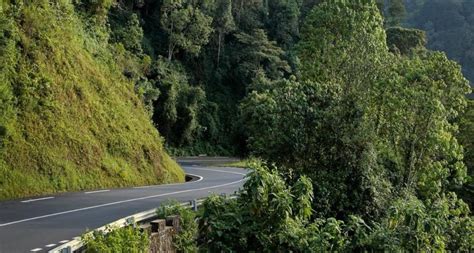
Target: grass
(74,122)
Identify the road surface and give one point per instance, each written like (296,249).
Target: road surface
(40,224)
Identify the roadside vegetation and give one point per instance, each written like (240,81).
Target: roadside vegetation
(272,215)
(362,133)
(119,240)
(366,138)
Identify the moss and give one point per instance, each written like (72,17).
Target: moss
(76,122)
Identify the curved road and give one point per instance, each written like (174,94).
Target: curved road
(40,224)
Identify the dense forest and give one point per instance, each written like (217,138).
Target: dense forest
(449,25)
(364,130)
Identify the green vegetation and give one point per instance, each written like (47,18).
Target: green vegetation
(70,120)
(466,131)
(272,216)
(371,120)
(185,239)
(367,133)
(119,240)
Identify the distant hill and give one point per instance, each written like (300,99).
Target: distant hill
(450,28)
(69,119)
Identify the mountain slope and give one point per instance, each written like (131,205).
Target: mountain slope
(69,119)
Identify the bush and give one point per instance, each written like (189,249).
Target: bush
(122,240)
(271,216)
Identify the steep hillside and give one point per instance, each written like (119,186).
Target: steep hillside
(69,119)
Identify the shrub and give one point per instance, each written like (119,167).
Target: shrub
(122,240)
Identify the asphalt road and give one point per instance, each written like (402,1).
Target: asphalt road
(40,224)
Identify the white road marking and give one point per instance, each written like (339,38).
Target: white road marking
(63,241)
(123,201)
(50,245)
(35,250)
(96,191)
(33,200)
(162,185)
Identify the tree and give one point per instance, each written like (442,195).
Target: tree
(405,41)
(308,129)
(396,13)
(283,22)
(270,215)
(249,15)
(466,131)
(258,52)
(264,218)
(224,24)
(336,39)
(130,34)
(342,124)
(426,93)
(186,25)
(176,111)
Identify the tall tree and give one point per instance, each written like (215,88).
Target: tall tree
(339,50)
(259,53)
(223,23)
(283,21)
(186,25)
(396,13)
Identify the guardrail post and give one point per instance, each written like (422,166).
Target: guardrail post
(66,250)
(130,221)
(194,206)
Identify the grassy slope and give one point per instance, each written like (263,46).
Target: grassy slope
(73,121)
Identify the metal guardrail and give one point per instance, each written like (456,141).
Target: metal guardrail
(77,244)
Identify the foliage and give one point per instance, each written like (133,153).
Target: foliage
(260,53)
(466,131)
(296,137)
(283,21)
(8,58)
(119,240)
(342,35)
(298,117)
(130,34)
(410,224)
(363,136)
(224,24)
(262,218)
(186,25)
(404,41)
(270,216)
(179,103)
(185,239)
(396,13)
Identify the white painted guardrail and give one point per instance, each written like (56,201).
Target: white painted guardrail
(76,244)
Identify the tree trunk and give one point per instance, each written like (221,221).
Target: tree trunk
(170,51)
(219,49)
